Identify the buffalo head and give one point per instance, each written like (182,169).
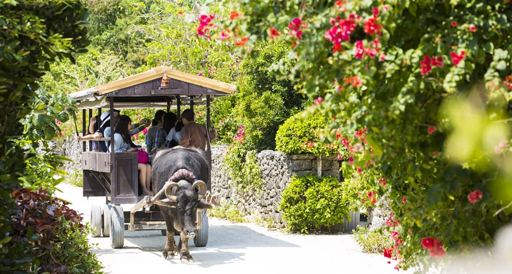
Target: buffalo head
(188,198)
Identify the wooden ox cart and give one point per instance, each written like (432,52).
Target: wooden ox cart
(115,175)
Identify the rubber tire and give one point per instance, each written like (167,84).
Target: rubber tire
(107,220)
(117,227)
(201,239)
(96,220)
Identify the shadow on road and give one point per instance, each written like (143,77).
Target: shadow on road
(226,244)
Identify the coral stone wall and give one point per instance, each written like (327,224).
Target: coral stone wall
(277,169)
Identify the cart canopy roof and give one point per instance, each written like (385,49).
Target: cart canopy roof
(145,90)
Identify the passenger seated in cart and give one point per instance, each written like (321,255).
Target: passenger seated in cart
(123,143)
(104,129)
(174,135)
(170,120)
(156,124)
(192,134)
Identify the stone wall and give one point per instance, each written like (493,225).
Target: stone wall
(69,147)
(277,169)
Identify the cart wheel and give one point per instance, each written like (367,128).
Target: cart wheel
(164,232)
(117,227)
(96,220)
(201,238)
(107,217)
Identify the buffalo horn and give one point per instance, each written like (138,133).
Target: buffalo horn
(168,192)
(201,189)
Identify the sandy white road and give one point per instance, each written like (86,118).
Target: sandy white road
(233,248)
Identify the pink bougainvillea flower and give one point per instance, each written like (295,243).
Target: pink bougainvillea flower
(204,24)
(497,150)
(427,243)
(508,82)
(295,28)
(385,8)
(339,156)
(344,141)
(145,131)
(388,252)
(273,33)
(454,24)
(371,26)
(82,84)
(383,182)
(359,134)
(456,58)
(437,252)
(382,57)
(472,28)
(200,74)
(359,170)
(350,161)
(318,100)
(503,144)
(410,231)
(437,62)
(394,234)
(224,35)
(431,130)
(392,222)
(425,65)
(359,50)
(404,200)
(475,196)
(60,133)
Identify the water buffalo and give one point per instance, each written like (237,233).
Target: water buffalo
(187,173)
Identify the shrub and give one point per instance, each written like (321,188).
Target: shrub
(300,134)
(311,203)
(56,237)
(229,212)
(372,241)
(243,165)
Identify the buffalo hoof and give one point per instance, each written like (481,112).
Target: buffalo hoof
(169,253)
(186,258)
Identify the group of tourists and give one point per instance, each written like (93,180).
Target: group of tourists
(166,132)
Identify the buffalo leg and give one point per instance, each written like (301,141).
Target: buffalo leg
(184,253)
(170,249)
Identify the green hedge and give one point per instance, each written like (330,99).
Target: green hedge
(299,135)
(315,204)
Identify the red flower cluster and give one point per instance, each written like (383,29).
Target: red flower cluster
(318,100)
(340,31)
(472,28)
(241,42)
(295,27)
(225,34)
(351,80)
(240,135)
(434,246)
(392,222)
(371,26)
(204,24)
(273,33)
(475,196)
(372,196)
(383,182)
(431,130)
(456,58)
(360,51)
(428,63)
(233,15)
(508,82)
(340,3)
(388,252)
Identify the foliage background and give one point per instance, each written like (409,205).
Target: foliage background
(422,126)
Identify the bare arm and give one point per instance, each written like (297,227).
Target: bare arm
(88,137)
(91,125)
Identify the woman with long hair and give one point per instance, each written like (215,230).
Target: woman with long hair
(123,143)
